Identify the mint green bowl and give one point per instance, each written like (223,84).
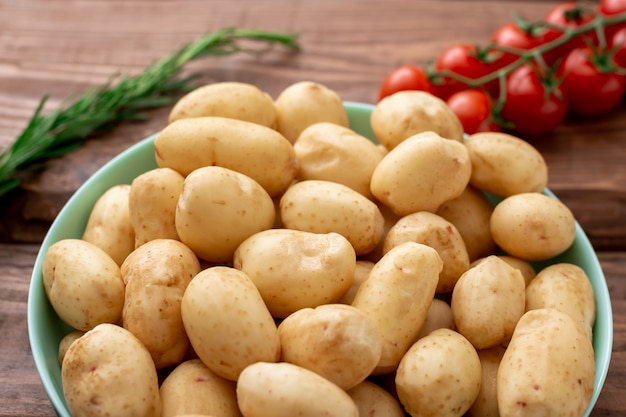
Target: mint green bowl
(45,329)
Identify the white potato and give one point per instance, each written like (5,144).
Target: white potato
(83,283)
(287,390)
(361,272)
(374,401)
(486,404)
(66,342)
(439,316)
(294,269)
(227,322)
(106,371)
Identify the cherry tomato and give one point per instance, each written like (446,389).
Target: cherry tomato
(405,77)
(612,7)
(473,108)
(618,44)
(529,106)
(589,90)
(568,15)
(511,35)
(461,59)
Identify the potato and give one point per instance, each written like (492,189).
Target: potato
(251,149)
(504,165)
(330,152)
(435,231)
(470,213)
(228,324)
(565,287)
(305,103)
(83,283)
(156,275)
(548,368)
(336,341)
(294,269)
(66,342)
(396,296)
(191,388)
(439,316)
(108,372)
(440,375)
(234,100)
(361,272)
(421,174)
(109,225)
(220,208)
(287,390)
(152,204)
(533,226)
(488,301)
(526,268)
(486,404)
(406,113)
(322,207)
(374,401)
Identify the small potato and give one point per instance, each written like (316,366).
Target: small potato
(109,225)
(421,174)
(336,341)
(83,283)
(66,342)
(191,388)
(533,226)
(287,390)
(504,165)
(548,368)
(438,233)
(361,272)
(234,100)
(439,316)
(565,287)
(294,269)
(152,204)
(322,207)
(486,404)
(156,275)
(406,113)
(470,213)
(327,151)
(488,301)
(440,375)
(108,372)
(251,149)
(220,208)
(399,290)
(227,322)
(374,401)
(526,268)
(305,103)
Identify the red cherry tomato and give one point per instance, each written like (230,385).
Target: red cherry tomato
(612,7)
(618,44)
(405,77)
(529,106)
(569,15)
(589,90)
(510,35)
(461,59)
(473,108)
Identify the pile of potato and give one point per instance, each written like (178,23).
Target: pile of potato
(278,263)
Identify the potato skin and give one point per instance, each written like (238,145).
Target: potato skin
(421,173)
(83,283)
(533,226)
(191,388)
(397,295)
(105,371)
(227,322)
(286,390)
(439,316)
(548,368)
(230,99)
(486,404)
(109,225)
(293,269)
(156,275)
(406,113)
(440,375)
(374,401)
(336,341)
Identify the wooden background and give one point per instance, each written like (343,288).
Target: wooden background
(63,47)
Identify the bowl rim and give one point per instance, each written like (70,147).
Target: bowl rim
(75,207)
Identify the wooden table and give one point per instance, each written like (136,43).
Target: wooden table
(62,47)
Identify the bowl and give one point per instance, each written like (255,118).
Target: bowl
(46,329)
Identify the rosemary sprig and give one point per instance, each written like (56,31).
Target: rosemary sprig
(122,98)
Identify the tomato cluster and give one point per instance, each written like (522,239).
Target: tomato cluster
(532,74)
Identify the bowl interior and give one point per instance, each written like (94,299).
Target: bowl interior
(46,329)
